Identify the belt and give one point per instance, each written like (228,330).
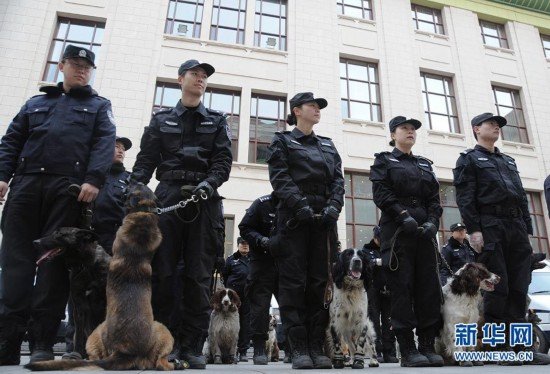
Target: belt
(412,201)
(183,175)
(501,211)
(314,189)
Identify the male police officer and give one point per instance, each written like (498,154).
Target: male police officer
(494,207)
(63,137)
(187,145)
(255,228)
(456,253)
(108,210)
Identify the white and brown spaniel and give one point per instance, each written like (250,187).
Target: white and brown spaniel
(271,346)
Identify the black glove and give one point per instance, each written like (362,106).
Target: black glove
(408,223)
(219,265)
(304,214)
(330,216)
(264,243)
(205,187)
(429,230)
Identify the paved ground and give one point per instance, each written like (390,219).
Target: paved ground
(279,367)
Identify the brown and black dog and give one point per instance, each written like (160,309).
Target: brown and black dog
(129,338)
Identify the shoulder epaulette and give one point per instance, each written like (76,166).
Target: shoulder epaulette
(466,151)
(510,157)
(282,132)
(424,158)
(265,198)
(218,112)
(324,137)
(163,111)
(384,153)
(101,97)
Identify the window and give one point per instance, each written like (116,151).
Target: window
(229,222)
(539,239)
(546,44)
(439,102)
(355,8)
(361,212)
(184,18)
(493,34)
(226,101)
(84,34)
(267,115)
(228,18)
(427,19)
(508,105)
(270,24)
(451,214)
(360,90)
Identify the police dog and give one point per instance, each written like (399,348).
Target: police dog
(129,338)
(271,346)
(349,322)
(88,265)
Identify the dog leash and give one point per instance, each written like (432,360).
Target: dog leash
(329,288)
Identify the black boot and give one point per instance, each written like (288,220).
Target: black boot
(192,353)
(287,359)
(426,344)
(11,337)
(410,357)
(390,357)
(242,356)
(260,356)
(315,345)
(42,351)
(42,335)
(297,339)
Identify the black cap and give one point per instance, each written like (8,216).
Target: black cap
(306,97)
(479,119)
(191,64)
(399,120)
(241,240)
(127,143)
(72,51)
(457,226)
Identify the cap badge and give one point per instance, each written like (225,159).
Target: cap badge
(82,53)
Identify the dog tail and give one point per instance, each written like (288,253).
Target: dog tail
(55,365)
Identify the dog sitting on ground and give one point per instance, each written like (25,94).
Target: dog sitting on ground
(349,321)
(88,265)
(129,338)
(462,295)
(271,346)
(223,332)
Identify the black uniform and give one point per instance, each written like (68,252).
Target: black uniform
(55,140)
(186,146)
(547,192)
(407,182)
(379,302)
(109,206)
(263,278)
(456,255)
(304,166)
(235,273)
(492,200)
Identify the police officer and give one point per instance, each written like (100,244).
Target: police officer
(188,145)
(255,228)
(456,253)
(235,274)
(407,191)
(305,171)
(494,207)
(547,193)
(108,210)
(61,138)
(379,301)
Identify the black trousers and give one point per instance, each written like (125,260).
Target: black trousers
(196,243)
(507,253)
(262,284)
(380,315)
(36,206)
(244,321)
(414,286)
(106,236)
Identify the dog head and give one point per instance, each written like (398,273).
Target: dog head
(472,277)
(140,198)
(350,267)
(272,322)
(225,300)
(77,245)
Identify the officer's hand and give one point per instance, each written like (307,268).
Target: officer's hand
(205,187)
(428,230)
(88,193)
(408,224)
(304,214)
(476,241)
(264,243)
(219,265)
(3,191)
(330,216)
(375,262)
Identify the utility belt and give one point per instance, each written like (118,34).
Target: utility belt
(501,211)
(412,201)
(314,189)
(183,176)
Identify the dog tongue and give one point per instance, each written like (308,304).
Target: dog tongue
(46,255)
(356,274)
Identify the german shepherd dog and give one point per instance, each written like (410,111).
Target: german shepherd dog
(129,338)
(88,265)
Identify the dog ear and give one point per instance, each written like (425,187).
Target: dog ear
(215,301)
(87,235)
(338,271)
(236,298)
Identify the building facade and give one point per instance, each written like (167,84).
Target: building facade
(440,61)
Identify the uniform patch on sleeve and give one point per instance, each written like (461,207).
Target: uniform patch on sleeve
(111,117)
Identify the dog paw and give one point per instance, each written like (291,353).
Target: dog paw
(71,356)
(338,364)
(358,364)
(373,363)
(218,360)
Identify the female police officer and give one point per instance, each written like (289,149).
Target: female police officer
(407,192)
(305,172)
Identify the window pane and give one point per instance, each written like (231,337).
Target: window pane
(437,103)
(228,18)
(450,216)
(271,7)
(360,111)
(347,183)
(359,91)
(374,95)
(362,186)
(363,235)
(343,88)
(353,12)
(349,236)
(510,134)
(62,30)
(373,74)
(357,72)
(268,108)
(51,69)
(226,35)
(221,102)
(440,123)
(376,113)
(428,27)
(185,12)
(493,42)
(489,29)
(171,97)
(98,37)
(343,73)
(344,109)
(262,153)
(270,25)
(435,85)
(503,97)
(349,210)
(57,51)
(80,33)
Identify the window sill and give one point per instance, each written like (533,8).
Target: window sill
(500,50)
(517,145)
(247,165)
(363,123)
(357,20)
(446,135)
(246,48)
(432,35)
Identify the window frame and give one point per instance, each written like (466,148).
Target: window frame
(253,158)
(435,14)
(368,11)
(283,34)
(501,33)
(538,211)
(447,96)
(517,110)
(545,38)
(171,19)
(215,27)
(369,83)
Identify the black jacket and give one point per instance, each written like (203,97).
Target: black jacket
(378,276)
(183,139)
(235,272)
(547,192)
(258,222)
(109,205)
(456,255)
(70,134)
(484,179)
